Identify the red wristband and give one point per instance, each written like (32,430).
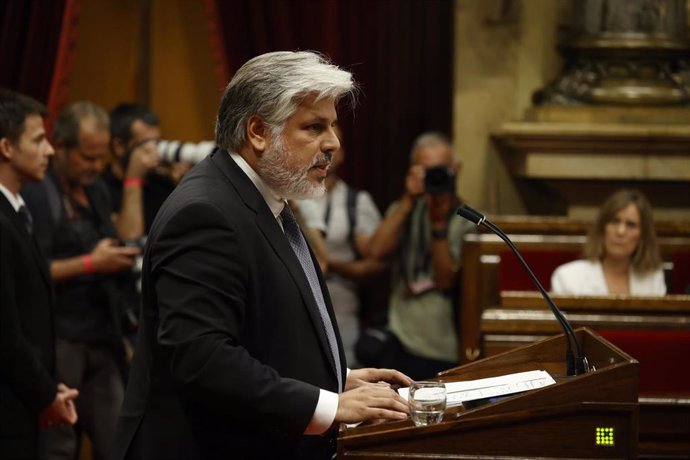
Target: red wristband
(88,263)
(133,182)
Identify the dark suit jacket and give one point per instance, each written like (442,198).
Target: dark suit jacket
(231,350)
(27,350)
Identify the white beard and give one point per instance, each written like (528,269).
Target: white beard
(290,183)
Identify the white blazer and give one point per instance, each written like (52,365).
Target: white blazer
(584,277)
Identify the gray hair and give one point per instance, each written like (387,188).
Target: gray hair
(272,86)
(67,126)
(429,139)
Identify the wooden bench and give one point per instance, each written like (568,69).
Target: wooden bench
(562,225)
(524,317)
(488,267)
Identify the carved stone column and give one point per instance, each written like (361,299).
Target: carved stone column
(623,52)
(617,116)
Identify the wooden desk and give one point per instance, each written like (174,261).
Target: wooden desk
(557,421)
(664,423)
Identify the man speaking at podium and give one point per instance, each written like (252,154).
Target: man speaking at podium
(239,354)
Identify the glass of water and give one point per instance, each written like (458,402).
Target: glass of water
(427,402)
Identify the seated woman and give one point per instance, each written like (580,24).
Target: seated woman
(621,253)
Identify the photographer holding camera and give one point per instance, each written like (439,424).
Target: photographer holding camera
(72,222)
(144,169)
(422,237)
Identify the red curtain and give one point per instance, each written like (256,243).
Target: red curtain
(401,53)
(37,40)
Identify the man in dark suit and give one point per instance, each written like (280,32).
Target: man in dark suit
(29,395)
(238,353)
(75,228)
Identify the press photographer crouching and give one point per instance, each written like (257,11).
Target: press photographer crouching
(422,236)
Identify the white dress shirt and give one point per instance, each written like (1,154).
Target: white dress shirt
(15,200)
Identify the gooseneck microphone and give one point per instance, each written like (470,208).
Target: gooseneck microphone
(573,366)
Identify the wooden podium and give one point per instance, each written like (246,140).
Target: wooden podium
(586,416)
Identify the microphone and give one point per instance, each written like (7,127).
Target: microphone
(573,366)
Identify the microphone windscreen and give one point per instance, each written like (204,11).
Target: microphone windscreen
(470,214)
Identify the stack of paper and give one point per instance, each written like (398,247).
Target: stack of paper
(458,392)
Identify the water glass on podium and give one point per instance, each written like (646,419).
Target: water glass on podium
(427,402)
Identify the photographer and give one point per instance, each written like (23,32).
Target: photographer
(145,169)
(422,237)
(71,213)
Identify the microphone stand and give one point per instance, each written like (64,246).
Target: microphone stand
(573,366)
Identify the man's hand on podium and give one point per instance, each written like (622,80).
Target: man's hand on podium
(359,377)
(369,395)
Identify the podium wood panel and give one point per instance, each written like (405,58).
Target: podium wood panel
(664,420)
(558,421)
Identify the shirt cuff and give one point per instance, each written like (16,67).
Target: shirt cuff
(324,415)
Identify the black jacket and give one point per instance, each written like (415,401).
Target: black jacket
(27,344)
(231,351)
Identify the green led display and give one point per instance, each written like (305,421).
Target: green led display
(604,436)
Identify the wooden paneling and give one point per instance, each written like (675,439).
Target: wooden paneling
(558,421)
(562,225)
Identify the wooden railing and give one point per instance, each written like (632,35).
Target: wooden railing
(562,225)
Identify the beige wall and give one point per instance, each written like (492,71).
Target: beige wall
(108,65)
(502,55)
(107,53)
(184,88)
(504,51)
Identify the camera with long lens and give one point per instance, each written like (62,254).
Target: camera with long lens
(439,180)
(187,152)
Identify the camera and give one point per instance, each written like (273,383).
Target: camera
(138,243)
(188,152)
(439,180)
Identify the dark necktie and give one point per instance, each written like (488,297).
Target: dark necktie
(28,221)
(299,246)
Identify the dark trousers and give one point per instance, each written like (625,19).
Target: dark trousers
(379,347)
(417,367)
(21,446)
(92,370)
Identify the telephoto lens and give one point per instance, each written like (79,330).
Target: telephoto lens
(188,152)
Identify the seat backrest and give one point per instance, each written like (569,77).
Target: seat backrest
(488,267)
(513,277)
(663,358)
(680,276)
